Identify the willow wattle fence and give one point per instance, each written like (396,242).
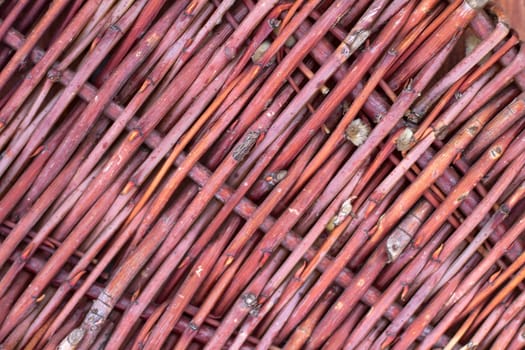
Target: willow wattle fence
(261,174)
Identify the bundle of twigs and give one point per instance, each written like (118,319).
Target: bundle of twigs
(261,174)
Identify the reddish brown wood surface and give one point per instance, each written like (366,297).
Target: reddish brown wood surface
(515,10)
(184,174)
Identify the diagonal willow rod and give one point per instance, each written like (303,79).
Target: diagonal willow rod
(452,201)
(113,110)
(181,242)
(201,192)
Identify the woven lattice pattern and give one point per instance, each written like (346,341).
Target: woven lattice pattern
(261,174)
